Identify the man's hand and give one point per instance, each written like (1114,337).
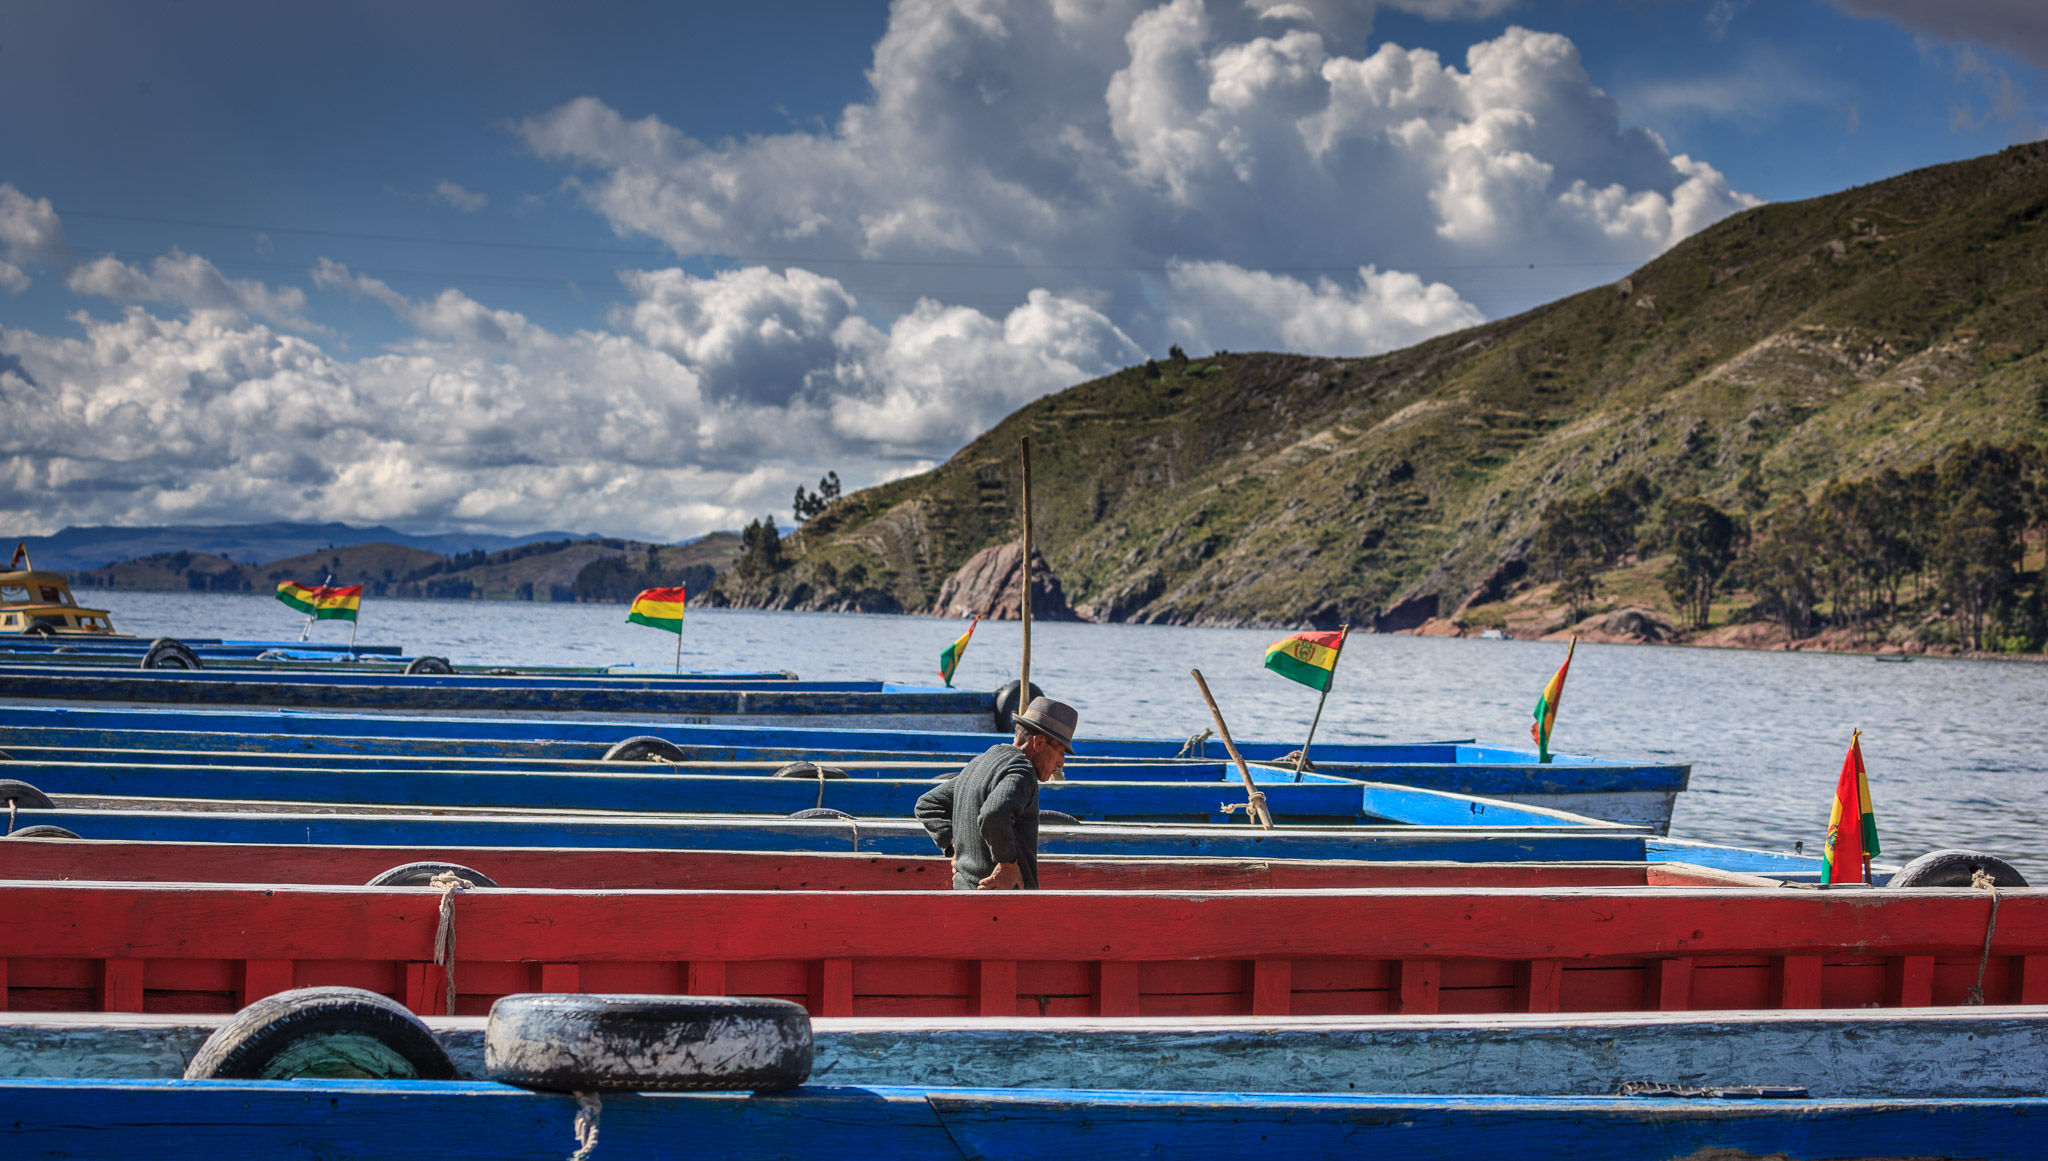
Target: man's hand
(1004,878)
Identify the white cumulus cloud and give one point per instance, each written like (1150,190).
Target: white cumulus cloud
(192,282)
(1221,306)
(31,233)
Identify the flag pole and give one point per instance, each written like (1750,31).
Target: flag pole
(306,630)
(1301,759)
(1024,612)
(679,647)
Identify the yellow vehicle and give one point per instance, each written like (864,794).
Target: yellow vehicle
(38,603)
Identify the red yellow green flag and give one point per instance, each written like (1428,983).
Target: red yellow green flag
(1852,825)
(1309,658)
(1546,706)
(658,609)
(949,657)
(322,602)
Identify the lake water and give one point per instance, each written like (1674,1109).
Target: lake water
(1956,749)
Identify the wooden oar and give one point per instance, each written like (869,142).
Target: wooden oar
(1255,803)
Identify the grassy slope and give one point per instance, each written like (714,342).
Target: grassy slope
(1811,339)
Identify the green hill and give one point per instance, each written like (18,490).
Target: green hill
(1789,345)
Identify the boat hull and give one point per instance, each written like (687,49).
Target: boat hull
(444,1120)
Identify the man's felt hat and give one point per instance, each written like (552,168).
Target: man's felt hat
(1050,719)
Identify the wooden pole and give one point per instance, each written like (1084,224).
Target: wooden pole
(1255,804)
(1024,611)
(679,650)
(1301,759)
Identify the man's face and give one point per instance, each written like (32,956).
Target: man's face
(1046,757)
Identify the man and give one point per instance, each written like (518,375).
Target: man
(986,818)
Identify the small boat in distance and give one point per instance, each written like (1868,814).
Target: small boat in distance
(38,603)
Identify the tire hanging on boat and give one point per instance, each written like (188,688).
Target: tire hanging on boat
(170,653)
(582,1043)
(809,771)
(14,792)
(331,1032)
(432,665)
(1057,818)
(422,875)
(1007,705)
(821,812)
(43,830)
(645,748)
(1956,868)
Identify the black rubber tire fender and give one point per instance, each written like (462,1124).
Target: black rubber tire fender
(22,795)
(1057,818)
(422,874)
(40,629)
(624,1043)
(645,748)
(1954,868)
(821,812)
(327,1032)
(1007,706)
(432,665)
(170,653)
(809,771)
(43,830)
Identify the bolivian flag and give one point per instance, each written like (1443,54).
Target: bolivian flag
(322,602)
(1309,658)
(1546,706)
(658,609)
(1852,825)
(949,657)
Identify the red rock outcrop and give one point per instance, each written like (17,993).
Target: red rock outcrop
(991,584)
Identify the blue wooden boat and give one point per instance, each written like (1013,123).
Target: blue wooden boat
(1854,1053)
(448,1120)
(1618,791)
(765,703)
(884,792)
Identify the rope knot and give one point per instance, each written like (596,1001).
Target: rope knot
(1982,881)
(448,883)
(1192,748)
(588,1107)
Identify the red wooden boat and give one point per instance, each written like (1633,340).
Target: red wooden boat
(1416,941)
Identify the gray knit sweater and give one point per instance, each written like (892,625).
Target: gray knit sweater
(987,814)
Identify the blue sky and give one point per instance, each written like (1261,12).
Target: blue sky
(640,269)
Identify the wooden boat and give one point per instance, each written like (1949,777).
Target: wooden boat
(767,703)
(449,1120)
(881,791)
(37,603)
(173,821)
(127,947)
(1833,1053)
(1636,793)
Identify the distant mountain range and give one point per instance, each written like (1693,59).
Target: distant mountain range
(83,548)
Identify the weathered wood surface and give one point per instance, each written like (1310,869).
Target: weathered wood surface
(573,869)
(75,946)
(1846,1053)
(440,1121)
(649,787)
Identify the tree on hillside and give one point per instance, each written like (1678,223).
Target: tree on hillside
(1779,569)
(1702,540)
(760,550)
(1577,538)
(809,504)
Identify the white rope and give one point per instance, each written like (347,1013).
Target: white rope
(1984,882)
(448,883)
(588,1107)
